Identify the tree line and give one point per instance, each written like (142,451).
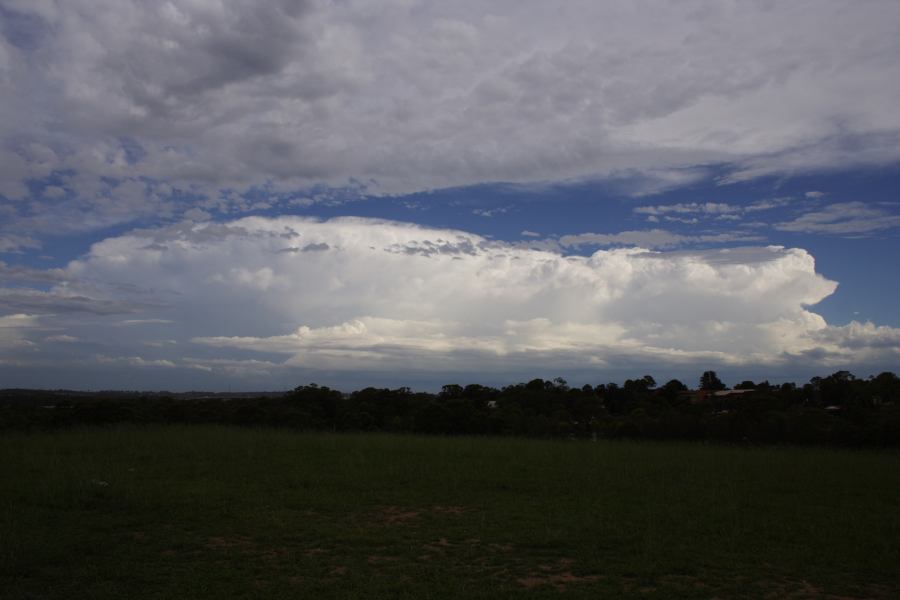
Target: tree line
(839,409)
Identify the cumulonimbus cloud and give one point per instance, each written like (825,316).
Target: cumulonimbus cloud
(382,295)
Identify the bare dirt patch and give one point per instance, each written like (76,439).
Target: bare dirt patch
(394,515)
(227,544)
(377,559)
(449,510)
(557,575)
(244,546)
(800,589)
(557,580)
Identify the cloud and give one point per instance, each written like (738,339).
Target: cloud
(61,301)
(768,204)
(66,339)
(380,296)
(491,212)
(708,208)
(134,361)
(30,275)
(691,213)
(843,218)
(13,329)
(397,301)
(652,238)
(10,242)
(136,111)
(814,195)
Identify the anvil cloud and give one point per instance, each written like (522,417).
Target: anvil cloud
(356,294)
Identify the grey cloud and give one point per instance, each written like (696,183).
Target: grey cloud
(311,247)
(178,51)
(653,238)
(834,150)
(437,247)
(37,302)
(856,336)
(11,242)
(191,233)
(29,275)
(845,218)
(212,100)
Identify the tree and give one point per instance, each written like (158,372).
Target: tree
(710,381)
(640,386)
(452,391)
(672,389)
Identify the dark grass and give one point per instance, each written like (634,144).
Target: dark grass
(207,512)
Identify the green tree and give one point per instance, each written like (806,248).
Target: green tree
(711,382)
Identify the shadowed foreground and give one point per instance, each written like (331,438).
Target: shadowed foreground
(208,512)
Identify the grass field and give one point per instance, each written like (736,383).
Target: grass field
(205,512)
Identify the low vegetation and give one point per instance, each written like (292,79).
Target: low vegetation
(222,512)
(839,410)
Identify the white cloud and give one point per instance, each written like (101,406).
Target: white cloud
(708,208)
(391,297)
(144,322)
(65,339)
(768,204)
(399,301)
(691,213)
(135,361)
(490,212)
(136,106)
(814,195)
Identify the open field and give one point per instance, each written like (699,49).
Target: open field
(209,512)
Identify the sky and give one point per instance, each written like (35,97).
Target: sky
(256,195)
